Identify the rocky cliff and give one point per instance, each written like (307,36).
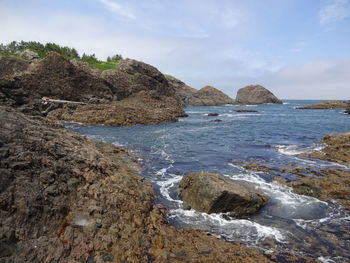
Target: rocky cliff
(256,94)
(65,198)
(24,83)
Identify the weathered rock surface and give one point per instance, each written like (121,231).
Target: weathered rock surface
(10,66)
(214,193)
(337,149)
(256,94)
(141,108)
(65,198)
(330,104)
(137,93)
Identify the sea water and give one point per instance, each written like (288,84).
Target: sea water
(273,135)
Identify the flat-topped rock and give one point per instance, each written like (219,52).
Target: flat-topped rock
(329,104)
(214,193)
(256,94)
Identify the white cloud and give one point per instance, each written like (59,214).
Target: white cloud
(118,9)
(334,11)
(319,79)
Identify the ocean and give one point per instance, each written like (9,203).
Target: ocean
(273,135)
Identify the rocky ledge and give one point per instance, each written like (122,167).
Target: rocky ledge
(214,193)
(330,104)
(255,94)
(65,198)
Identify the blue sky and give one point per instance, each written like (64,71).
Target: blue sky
(298,49)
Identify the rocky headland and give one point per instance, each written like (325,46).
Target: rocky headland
(255,94)
(206,96)
(329,104)
(133,93)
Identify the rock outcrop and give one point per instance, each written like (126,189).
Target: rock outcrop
(337,149)
(11,66)
(214,193)
(134,93)
(65,198)
(255,94)
(329,104)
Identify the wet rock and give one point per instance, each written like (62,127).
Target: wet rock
(330,104)
(214,193)
(217,120)
(213,114)
(337,149)
(256,94)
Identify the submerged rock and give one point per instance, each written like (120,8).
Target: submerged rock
(256,94)
(213,114)
(214,193)
(243,110)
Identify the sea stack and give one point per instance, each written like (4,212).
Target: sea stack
(256,94)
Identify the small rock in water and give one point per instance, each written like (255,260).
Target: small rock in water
(217,120)
(212,114)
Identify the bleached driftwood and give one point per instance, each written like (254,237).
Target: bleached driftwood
(46,100)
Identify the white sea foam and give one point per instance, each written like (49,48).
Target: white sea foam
(289,149)
(325,260)
(233,229)
(166,185)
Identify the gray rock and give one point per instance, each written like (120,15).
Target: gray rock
(28,54)
(214,193)
(256,94)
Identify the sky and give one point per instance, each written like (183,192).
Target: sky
(298,49)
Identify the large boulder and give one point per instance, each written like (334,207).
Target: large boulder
(214,193)
(256,94)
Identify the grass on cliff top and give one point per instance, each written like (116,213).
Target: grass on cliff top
(102,65)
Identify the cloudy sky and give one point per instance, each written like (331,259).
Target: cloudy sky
(296,48)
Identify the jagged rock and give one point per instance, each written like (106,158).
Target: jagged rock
(65,198)
(86,67)
(256,94)
(214,193)
(330,104)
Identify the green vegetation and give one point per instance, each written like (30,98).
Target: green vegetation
(14,49)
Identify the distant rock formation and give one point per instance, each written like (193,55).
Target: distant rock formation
(256,94)
(329,104)
(207,96)
(214,193)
